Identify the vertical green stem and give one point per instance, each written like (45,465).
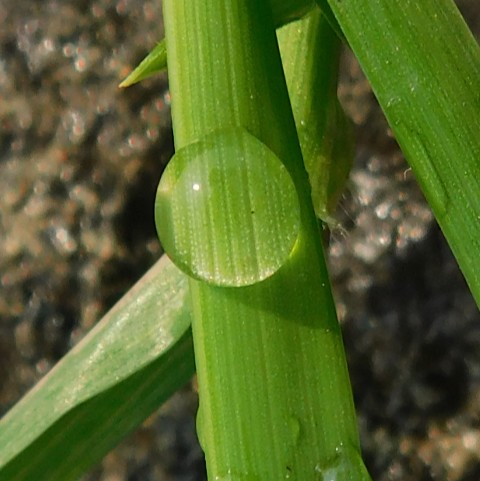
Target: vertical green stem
(275,398)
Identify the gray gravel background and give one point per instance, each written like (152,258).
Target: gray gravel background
(79,164)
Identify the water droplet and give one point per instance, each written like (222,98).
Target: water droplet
(227,210)
(393,101)
(232,475)
(295,429)
(346,465)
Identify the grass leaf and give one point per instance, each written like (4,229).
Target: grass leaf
(154,62)
(133,360)
(424,67)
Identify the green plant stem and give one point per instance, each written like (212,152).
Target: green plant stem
(284,11)
(275,397)
(424,67)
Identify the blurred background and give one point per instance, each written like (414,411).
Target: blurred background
(80,160)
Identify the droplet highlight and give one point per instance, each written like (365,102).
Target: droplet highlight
(346,465)
(231,475)
(227,211)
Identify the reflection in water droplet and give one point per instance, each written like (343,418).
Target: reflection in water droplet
(346,465)
(227,211)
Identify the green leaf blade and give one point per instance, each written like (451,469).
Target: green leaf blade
(154,62)
(132,361)
(424,67)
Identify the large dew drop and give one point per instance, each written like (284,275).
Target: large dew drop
(226,210)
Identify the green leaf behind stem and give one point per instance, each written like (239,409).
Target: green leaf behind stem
(324,131)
